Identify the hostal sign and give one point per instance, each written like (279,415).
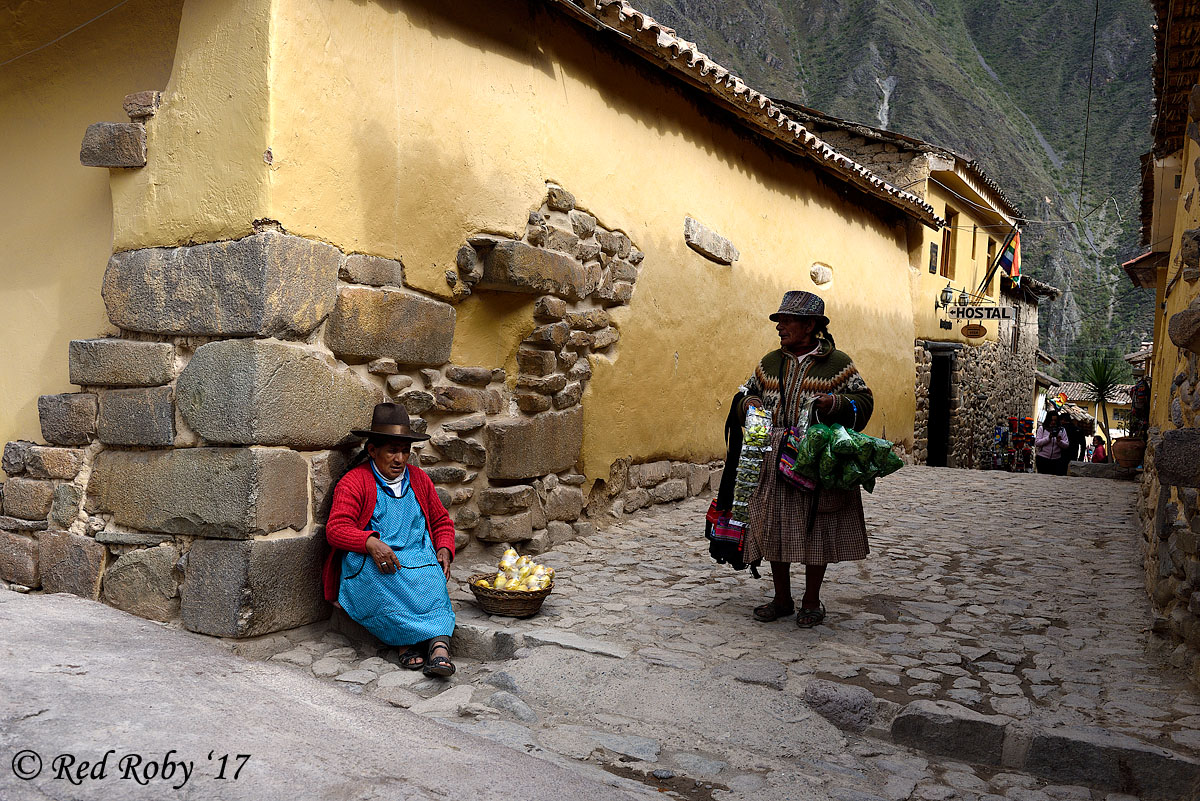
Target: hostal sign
(979,312)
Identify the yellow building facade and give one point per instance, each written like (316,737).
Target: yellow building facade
(1171,267)
(56,217)
(554,232)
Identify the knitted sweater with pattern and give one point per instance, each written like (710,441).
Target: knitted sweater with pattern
(828,371)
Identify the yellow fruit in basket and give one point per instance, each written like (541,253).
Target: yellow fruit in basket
(501,581)
(483,583)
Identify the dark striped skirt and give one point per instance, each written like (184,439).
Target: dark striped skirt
(779,516)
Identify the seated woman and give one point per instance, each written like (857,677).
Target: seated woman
(393,542)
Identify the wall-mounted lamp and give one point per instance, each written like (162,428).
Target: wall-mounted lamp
(944,298)
(963,298)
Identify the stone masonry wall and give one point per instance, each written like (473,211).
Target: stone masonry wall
(924,366)
(988,384)
(191,476)
(997,383)
(1169,505)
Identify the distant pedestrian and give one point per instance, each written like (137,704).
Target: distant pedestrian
(1051,445)
(1099,454)
(1077,437)
(788,523)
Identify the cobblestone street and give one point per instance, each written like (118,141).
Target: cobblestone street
(1018,597)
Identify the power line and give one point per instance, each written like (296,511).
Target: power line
(65,35)
(1087,117)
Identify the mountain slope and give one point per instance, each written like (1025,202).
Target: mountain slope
(1001,81)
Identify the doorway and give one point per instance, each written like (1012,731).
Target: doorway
(939,409)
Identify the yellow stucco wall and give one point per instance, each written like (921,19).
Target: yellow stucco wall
(56,215)
(401,128)
(969,269)
(1169,360)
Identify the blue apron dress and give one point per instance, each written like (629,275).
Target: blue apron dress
(412,604)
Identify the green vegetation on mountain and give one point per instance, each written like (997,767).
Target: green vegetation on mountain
(1004,82)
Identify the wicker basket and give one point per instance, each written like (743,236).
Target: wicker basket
(511,603)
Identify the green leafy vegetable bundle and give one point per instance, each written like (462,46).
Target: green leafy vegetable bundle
(838,458)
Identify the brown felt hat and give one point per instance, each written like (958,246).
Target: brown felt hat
(390,421)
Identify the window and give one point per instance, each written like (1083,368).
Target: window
(991,257)
(974,237)
(948,248)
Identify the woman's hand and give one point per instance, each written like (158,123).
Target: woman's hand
(444,558)
(824,404)
(382,555)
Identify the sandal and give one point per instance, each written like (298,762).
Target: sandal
(439,665)
(807,618)
(412,659)
(769,611)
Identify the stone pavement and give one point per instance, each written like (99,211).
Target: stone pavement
(1015,602)
(996,644)
(173,712)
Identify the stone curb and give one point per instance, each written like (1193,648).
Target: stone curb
(1086,756)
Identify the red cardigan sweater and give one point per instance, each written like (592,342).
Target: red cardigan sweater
(353,505)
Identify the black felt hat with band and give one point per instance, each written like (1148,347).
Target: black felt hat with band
(799,303)
(390,421)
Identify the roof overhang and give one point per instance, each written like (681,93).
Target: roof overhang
(681,59)
(967,170)
(1043,380)
(1143,270)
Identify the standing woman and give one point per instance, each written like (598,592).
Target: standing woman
(393,543)
(789,524)
(1050,446)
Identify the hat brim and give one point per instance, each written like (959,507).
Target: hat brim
(777,316)
(397,437)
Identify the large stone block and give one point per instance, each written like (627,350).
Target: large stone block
(1112,761)
(232,493)
(120,363)
(65,509)
(372,270)
(1184,329)
(467,451)
(369,324)
(68,419)
(28,499)
(16,454)
(944,727)
(517,267)
(1177,458)
(268,284)
(327,469)
(250,391)
(245,589)
(462,399)
(139,105)
(534,446)
(71,563)
(114,144)
(142,582)
(564,503)
(676,489)
(62,463)
(137,417)
(506,500)
(513,528)
(19,559)
(649,474)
